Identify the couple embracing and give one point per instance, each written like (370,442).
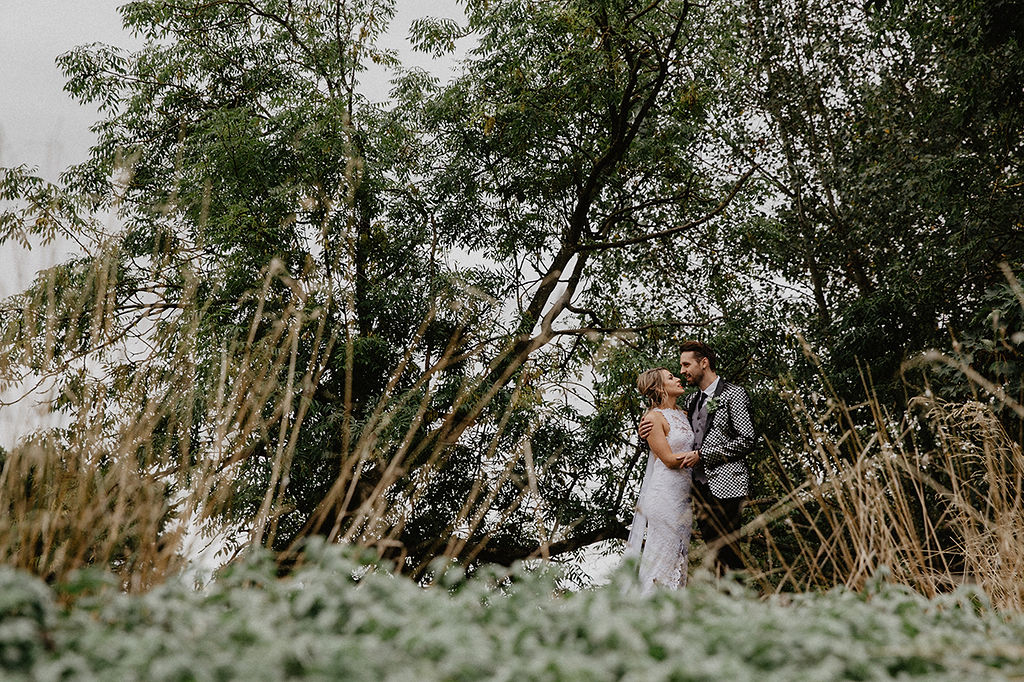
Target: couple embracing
(696,469)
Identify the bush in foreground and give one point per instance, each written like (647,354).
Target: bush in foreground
(338,619)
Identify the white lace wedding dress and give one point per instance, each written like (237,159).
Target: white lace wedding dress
(664,515)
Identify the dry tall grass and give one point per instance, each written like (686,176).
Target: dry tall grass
(144,451)
(152,448)
(935,496)
(127,476)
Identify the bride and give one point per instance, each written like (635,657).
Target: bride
(664,518)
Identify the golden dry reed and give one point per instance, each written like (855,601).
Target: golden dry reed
(152,450)
(936,497)
(149,453)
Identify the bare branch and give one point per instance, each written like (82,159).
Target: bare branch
(604,246)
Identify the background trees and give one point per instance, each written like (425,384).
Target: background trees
(417,324)
(890,139)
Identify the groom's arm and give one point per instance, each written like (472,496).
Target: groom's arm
(717,451)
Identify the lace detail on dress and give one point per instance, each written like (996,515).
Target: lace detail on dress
(664,518)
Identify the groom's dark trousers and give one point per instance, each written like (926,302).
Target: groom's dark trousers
(733,437)
(718,518)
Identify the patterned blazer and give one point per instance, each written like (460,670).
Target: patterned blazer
(728,439)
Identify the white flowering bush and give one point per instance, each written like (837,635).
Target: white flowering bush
(337,619)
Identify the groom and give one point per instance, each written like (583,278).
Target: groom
(723,436)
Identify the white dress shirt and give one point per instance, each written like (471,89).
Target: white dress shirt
(710,390)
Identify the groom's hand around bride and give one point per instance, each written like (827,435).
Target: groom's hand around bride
(645,427)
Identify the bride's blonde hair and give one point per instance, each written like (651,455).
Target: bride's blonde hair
(651,384)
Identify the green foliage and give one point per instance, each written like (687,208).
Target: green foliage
(419,323)
(27,614)
(890,145)
(339,618)
(383,284)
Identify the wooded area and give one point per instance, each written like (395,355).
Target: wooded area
(416,325)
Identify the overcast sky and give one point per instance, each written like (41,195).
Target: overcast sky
(42,127)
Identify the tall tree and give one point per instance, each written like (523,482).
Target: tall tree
(380,322)
(889,138)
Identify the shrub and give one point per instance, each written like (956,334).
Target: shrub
(336,617)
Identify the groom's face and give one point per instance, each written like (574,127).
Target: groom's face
(692,367)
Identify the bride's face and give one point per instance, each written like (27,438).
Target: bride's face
(673,385)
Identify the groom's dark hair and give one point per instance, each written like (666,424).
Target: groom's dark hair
(701,350)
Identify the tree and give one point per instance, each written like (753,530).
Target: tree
(284,304)
(890,142)
(888,145)
(417,324)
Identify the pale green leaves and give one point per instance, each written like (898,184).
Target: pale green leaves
(31,207)
(341,618)
(436,36)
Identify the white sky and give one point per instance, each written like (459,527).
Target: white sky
(43,127)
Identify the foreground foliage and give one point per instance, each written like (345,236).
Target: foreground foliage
(339,619)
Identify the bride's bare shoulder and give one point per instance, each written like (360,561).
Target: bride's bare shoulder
(654,416)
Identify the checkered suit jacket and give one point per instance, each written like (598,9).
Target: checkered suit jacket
(728,439)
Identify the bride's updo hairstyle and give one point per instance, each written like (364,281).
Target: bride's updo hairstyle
(651,384)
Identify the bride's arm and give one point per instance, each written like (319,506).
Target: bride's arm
(657,439)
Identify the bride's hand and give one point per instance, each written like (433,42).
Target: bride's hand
(688,459)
